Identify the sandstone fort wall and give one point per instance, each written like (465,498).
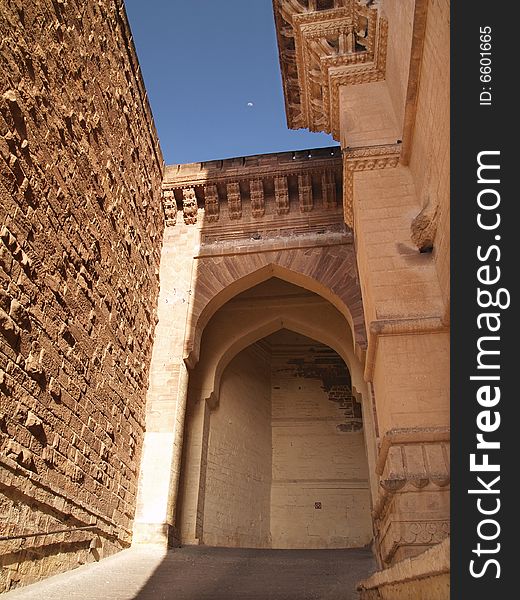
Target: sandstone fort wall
(80,237)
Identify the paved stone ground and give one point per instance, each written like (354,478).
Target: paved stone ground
(202,573)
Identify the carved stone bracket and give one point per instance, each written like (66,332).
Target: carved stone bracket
(264,187)
(305,192)
(211,203)
(328,190)
(169,208)
(234,200)
(364,159)
(189,206)
(256,190)
(424,226)
(281,193)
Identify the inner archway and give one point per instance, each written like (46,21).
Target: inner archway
(286,461)
(275,452)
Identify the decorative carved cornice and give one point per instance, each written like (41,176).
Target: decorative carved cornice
(410,435)
(372,157)
(398,326)
(246,168)
(320,50)
(261,188)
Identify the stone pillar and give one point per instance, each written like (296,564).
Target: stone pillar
(388,186)
(155,520)
(194,469)
(407,360)
(379,83)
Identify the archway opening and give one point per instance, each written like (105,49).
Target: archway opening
(275,453)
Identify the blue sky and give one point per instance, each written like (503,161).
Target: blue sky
(203,61)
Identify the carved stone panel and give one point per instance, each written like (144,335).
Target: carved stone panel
(256,188)
(305,192)
(189,206)
(234,200)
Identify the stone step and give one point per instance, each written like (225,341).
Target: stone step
(205,573)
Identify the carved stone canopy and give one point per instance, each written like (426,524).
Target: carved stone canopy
(322,45)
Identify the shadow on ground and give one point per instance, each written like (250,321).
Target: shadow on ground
(202,573)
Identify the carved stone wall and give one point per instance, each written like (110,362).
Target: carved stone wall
(80,234)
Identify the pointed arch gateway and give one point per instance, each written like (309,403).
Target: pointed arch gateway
(329,271)
(288,227)
(227,386)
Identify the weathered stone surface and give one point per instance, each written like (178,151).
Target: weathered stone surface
(424,227)
(80,235)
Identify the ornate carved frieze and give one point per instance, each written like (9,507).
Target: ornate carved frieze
(256,190)
(281,195)
(262,188)
(364,159)
(305,192)
(372,157)
(327,232)
(169,207)
(211,204)
(189,206)
(234,200)
(322,49)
